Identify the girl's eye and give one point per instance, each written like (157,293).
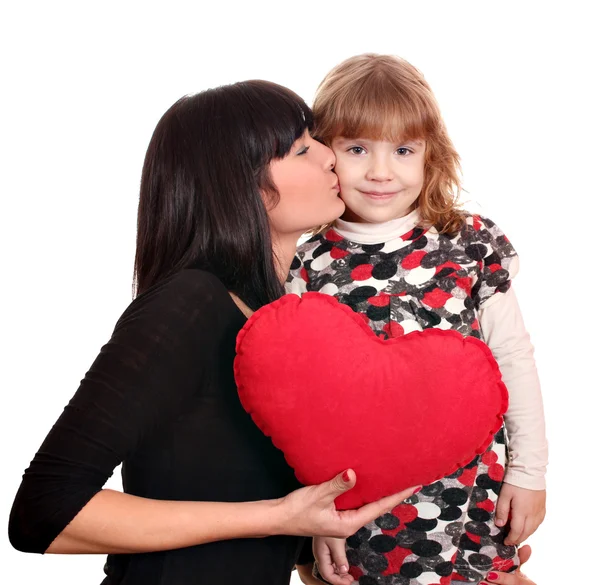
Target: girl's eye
(303,150)
(403,151)
(356,149)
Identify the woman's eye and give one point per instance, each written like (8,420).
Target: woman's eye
(356,149)
(403,151)
(303,150)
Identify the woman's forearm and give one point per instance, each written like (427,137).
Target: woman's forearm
(114,522)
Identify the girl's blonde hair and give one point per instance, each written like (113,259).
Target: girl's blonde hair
(383,97)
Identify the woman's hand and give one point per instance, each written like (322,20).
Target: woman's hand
(310,511)
(516,578)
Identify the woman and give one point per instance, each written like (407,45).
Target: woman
(230,181)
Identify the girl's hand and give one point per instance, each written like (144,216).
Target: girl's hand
(310,511)
(305,572)
(330,554)
(525,509)
(516,578)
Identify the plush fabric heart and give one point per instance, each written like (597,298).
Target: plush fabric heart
(332,396)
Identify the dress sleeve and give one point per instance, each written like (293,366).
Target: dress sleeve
(296,280)
(498,260)
(156,357)
(503,330)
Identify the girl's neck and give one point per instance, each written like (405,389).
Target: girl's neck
(377,233)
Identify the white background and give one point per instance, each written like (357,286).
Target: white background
(83,87)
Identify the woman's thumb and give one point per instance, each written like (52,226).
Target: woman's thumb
(342,482)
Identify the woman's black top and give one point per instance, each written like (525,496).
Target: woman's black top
(161,399)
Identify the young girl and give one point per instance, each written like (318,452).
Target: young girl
(405,257)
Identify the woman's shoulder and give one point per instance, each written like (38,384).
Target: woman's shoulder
(189,296)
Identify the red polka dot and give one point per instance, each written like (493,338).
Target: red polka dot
(355,572)
(333,236)
(493,267)
(436,298)
(501,564)
(487,505)
(396,330)
(474,537)
(467,477)
(407,235)
(464,283)
(337,253)
(395,559)
(405,512)
(304,274)
(452,265)
(413,260)
(496,472)
(381,300)
(476,222)
(475,325)
(489,457)
(362,272)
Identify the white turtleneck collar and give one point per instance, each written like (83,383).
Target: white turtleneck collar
(376,233)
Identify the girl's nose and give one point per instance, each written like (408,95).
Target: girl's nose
(379,170)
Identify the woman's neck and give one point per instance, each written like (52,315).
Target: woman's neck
(284,250)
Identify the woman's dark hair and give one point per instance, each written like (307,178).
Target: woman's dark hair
(203,180)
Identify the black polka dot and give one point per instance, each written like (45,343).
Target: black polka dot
(296,263)
(476,251)
(504,551)
(431,318)
(493,258)
(433,489)
(385,269)
(367,580)
(478,494)
(450,514)
(405,538)
(498,278)
(382,543)
(423,524)
(375,563)
(363,292)
(469,303)
(324,247)
(477,528)
(387,522)
(479,515)
(411,570)
(480,562)
(426,548)
(372,248)
(486,482)
(353,556)
(455,496)
(378,313)
(418,244)
(444,569)
(467,544)
(358,259)
(434,258)
(359,537)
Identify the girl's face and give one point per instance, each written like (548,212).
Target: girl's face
(379,180)
(308,188)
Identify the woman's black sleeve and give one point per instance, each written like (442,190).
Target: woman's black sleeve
(156,357)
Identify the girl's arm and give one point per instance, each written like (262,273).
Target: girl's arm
(503,329)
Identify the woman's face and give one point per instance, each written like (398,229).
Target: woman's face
(308,188)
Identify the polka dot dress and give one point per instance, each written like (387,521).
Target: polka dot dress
(445,534)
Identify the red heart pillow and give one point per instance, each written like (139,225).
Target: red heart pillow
(332,395)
